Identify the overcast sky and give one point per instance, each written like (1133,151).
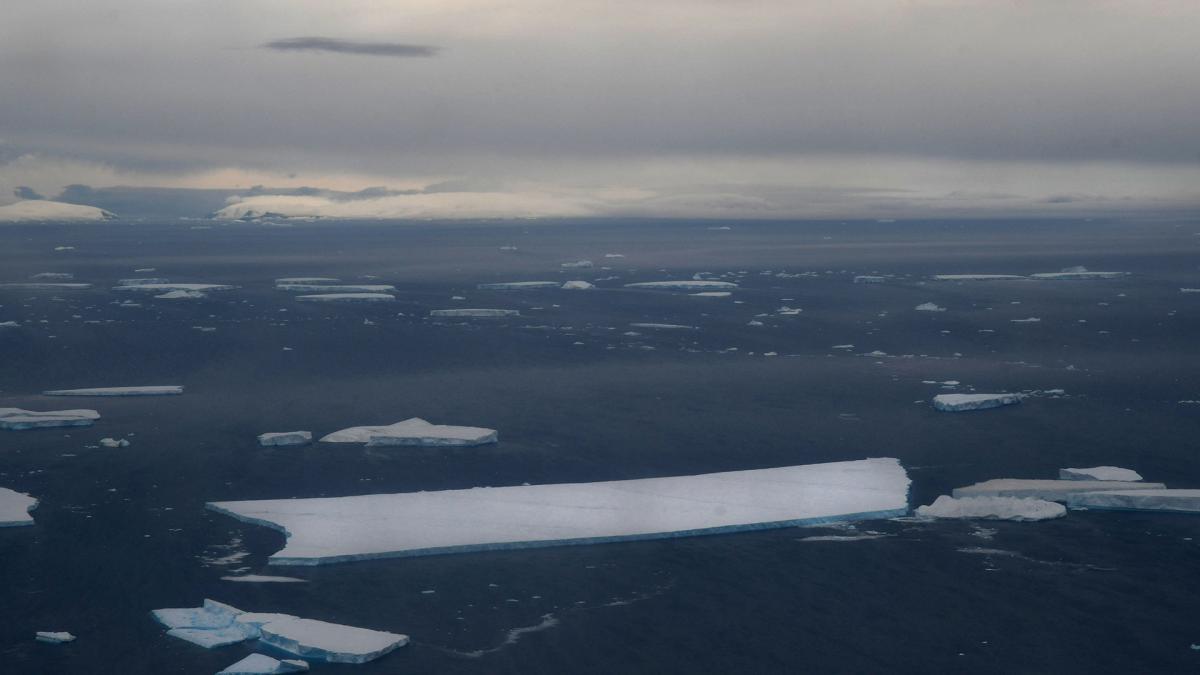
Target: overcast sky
(672,107)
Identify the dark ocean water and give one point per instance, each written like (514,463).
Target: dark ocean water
(124,531)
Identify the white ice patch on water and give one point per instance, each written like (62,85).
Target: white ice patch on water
(992,508)
(153,390)
(15,508)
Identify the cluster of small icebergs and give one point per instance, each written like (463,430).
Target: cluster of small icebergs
(215,624)
(166,290)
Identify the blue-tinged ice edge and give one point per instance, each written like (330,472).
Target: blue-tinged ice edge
(512,545)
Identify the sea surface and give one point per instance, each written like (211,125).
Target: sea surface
(579,395)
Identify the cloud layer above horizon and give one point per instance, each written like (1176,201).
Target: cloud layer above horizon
(763,108)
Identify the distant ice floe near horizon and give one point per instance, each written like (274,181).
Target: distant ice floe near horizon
(15,508)
(577,285)
(346,297)
(35,210)
(216,624)
(711,294)
(284,281)
(19,419)
(46,286)
(465,205)
(929,307)
(992,508)
(335,288)
(686,285)
(415,431)
(977,277)
(518,285)
(261,664)
(1153,499)
(1048,489)
(869,279)
(662,326)
(577,264)
(158,287)
(474,313)
(152,390)
(1100,473)
(340,529)
(52,276)
(264,579)
(54,637)
(180,294)
(965,402)
(1076,275)
(285,438)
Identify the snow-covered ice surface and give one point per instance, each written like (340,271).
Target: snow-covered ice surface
(1069,276)
(992,508)
(662,326)
(46,286)
(15,507)
(711,294)
(977,277)
(519,285)
(339,529)
(929,307)
(153,390)
(261,664)
(346,297)
(1050,490)
(688,285)
(414,431)
(577,285)
(164,288)
(54,637)
(335,643)
(16,418)
(336,288)
(474,313)
(307,280)
(285,438)
(1100,473)
(46,210)
(181,294)
(963,402)
(1187,501)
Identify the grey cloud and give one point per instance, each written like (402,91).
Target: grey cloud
(324,44)
(25,192)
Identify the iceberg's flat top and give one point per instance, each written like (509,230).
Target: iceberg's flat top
(152,390)
(330,641)
(1052,490)
(577,285)
(475,312)
(54,637)
(351,297)
(1156,499)
(992,508)
(261,664)
(306,280)
(685,285)
(336,288)
(959,402)
(662,326)
(345,528)
(519,285)
(15,507)
(413,431)
(712,294)
(285,438)
(976,277)
(1100,473)
(174,287)
(1076,275)
(16,418)
(46,285)
(44,209)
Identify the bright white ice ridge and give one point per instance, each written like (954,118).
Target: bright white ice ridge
(328,530)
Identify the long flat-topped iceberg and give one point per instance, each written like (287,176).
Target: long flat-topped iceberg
(336,288)
(285,438)
(1100,473)
(519,285)
(340,529)
(16,418)
(977,277)
(1050,490)
(992,508)
(347,297)
(414,431)
(1070,276)
(161,288)
(306,280)
(1185,501)
(475,313)
(686,285)
(154,390)
(15,507)
(963,402)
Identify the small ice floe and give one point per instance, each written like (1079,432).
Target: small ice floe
(46,286)
(1032,319)
(963,402)
(114,443)
(414,431)
(1100,473)
(711,294)
(1050,490)
(142,281)
(577,285)
(261,664)
(869,279)
(474,313)
(719,228)
(788,311)
(992,508)
(662,326)
(1070,276)
(264,579)
(614,255)
(508,248)
(285,281)
(54,637)
(9,324)
(53,276)
(577,264)
(1125,499)
(346,297)
(285,438)
(692,285)
(842,347)
(929,307)
(163,288)
(15,508)
(181,294)
(336,288)
(150,390)
(518,285)
(1189,290)
(16,418)
(977,277)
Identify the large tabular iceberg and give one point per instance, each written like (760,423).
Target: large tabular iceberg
(1100,473)
(328,530)
(336,288)
(16,418)
(962,402)
(154,390)
(992,508)
(518,285)
(15,508)
(474,313)
(687,285)
(347,297)
(414,431)
(977,277)
(1070,276)
(163,288)
(1186,501)
(34,210)
(1050,490)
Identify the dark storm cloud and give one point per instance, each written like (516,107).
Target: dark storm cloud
(323,44)
(25,192)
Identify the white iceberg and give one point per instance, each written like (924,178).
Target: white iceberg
(336,288)
(992,508)
(414,431)
(142,281)
(869,279)
(577,286)
(285,438)
(929,307)
(180,294)
(15,507)
(164,288)
(54,637)
(306,280)
(1069,276)
(662,326)
(689,285)
(347,297)
(114,443)
(474,313)
(577,264)
(264,579)
(962,402)
(45,210)
(16,418)
(261,664)
(339,529)
(1184,501)
(52,276)
(46,286)
(1100,473)
(153,390)
(518,285)
(335,643)
(1050,490)
(977,277)
(711,294)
